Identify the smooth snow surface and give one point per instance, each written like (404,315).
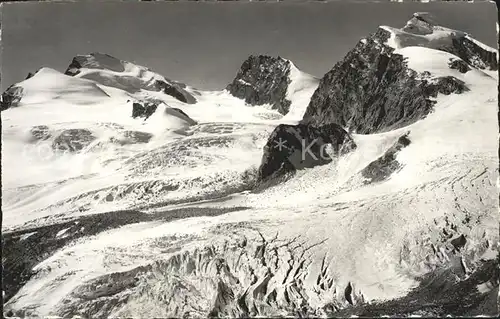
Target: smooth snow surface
(379,237)
(299,92)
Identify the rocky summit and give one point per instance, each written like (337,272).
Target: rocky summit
(263,80)
(374,90)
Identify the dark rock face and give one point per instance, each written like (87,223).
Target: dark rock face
(369,90)
(473,54)
(447,85)
(11,97)
(32,74)
(293,147)
(73,140)
(144,110)
(459,242)
(128,83)
(460,65)
(263,80)
(347,293)
(380,169)
(373,90)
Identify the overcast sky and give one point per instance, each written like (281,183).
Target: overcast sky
(204,44)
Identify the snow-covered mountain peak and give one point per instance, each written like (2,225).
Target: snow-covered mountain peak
(394,76)
(423,31)
(122,199)
(132,78)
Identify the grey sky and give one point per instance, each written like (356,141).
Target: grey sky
(204,44)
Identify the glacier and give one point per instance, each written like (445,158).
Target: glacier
(107,215)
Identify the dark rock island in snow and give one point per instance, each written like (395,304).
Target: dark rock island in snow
(263,80)
(293,147)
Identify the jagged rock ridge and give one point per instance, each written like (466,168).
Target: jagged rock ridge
(263,80)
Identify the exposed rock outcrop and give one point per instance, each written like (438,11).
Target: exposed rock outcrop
(32,74)
(420,24)
(456,42)
(370,90)
(145,79)
(475,55)
(293,147)
(145,109)
(460,65)
(382,168)
(40,132)
(446,85)
(73,140)
(373,90)
(459,242)
(174,90)
(11,97)
(263,80)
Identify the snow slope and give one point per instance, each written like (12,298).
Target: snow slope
(132,78)
(49,181)
(299,92)
(325,238)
